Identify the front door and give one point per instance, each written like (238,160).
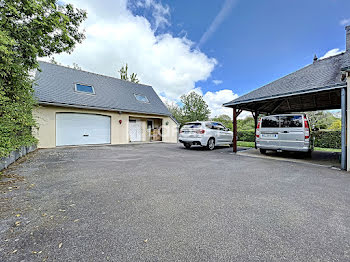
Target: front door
(135,130)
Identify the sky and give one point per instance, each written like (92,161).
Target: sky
(221,49)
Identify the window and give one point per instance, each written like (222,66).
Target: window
(192,125)
(270,121)
(84,89)
(291,121)
(141,98)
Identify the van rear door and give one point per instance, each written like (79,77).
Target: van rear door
(269,132)
(291,132)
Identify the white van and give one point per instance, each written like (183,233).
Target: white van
(287,132)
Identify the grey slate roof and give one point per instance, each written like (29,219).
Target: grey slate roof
(321,75)
(55,84)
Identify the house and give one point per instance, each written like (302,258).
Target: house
(322,85)
(83,108)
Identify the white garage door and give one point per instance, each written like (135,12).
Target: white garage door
(82,129)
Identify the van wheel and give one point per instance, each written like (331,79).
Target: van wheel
(263,151)
(187,145)
(211,144)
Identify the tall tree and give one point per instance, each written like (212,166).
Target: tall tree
(194,107)
(28,30)
(124,75)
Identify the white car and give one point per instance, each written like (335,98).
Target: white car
(205,133)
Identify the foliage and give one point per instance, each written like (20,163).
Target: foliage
(176,112)
(194,107)
(246,135)
(29,29)
(124,75)
(327,139)
(225,120)
(321,119)
(336,125)
(246,124)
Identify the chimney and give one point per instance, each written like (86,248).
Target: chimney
(347,28)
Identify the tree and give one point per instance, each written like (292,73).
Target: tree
(76,66)
(336,125)
(29,29)
(124,75)
(176,112)
(194,107)
(225,120)
(246,124)
(321,119)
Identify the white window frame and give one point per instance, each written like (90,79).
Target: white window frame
(82,92)
(141,101)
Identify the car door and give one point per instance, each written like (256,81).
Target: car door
(216,131)
(291,135)
(227,135)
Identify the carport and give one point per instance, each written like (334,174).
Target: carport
(322,85)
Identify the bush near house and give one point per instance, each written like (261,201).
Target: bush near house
(323,138)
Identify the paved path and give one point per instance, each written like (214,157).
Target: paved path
(161,202)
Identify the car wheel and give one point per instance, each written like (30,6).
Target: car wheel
(211,144)
(262,151)
(187,145)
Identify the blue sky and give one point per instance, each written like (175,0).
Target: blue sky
(260,41)
(221,49)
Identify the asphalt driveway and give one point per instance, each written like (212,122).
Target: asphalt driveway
(161,202)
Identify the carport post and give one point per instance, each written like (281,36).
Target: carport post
(234,122)
(343,129)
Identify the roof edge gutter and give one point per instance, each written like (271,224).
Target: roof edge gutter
(45,103)
(230,104)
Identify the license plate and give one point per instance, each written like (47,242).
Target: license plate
(272,136)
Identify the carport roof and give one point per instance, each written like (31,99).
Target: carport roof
(322,75)
(55,85)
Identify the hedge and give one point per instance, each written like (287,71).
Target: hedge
(327,139)
(323,138)
(246,135)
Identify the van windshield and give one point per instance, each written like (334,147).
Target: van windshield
(192,125)
(291,121)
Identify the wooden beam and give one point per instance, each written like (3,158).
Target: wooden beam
(277,106)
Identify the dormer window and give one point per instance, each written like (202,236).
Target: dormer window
(141,98)
(84,89)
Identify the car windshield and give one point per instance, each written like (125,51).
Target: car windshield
(192,125)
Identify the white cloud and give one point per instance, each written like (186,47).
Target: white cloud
(160,12)
(115,36)
(332,52)
(220,17)
(217,82)
(345,21)
(215,100)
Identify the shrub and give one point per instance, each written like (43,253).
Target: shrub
(246,135)
(327,139)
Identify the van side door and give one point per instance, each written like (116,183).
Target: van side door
(291,134)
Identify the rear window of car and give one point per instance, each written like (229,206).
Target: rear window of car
(192,125)
(291,121)
(270,121)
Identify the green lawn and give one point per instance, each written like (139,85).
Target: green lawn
(252,144)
